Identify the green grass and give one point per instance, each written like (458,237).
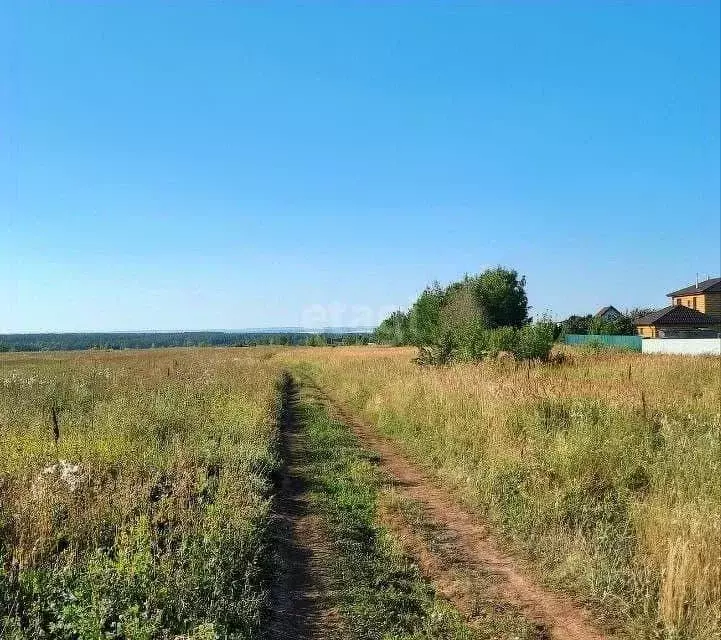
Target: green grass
(383,594)
(159,530)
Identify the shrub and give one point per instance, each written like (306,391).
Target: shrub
(531,342)
(443,352)
(502,339)
(535,341)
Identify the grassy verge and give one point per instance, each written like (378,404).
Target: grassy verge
(383,595)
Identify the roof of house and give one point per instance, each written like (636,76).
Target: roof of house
(676,315)
(602,312)
(712,285)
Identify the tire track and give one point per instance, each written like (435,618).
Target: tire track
(471,544)
(301,594)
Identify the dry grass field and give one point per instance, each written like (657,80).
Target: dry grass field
(134,493)
(604,468)
(136,487)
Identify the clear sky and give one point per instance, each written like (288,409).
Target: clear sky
(221,165)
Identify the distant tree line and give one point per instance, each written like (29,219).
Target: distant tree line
(140,340)
(477,317)
(592,325)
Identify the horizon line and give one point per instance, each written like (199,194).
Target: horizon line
(166,331)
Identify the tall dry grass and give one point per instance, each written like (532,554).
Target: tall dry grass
(146,517)
(605,469)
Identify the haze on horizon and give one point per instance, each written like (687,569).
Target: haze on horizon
(237,166)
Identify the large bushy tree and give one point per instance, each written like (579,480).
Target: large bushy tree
(494,298)
(469,319)
(501,295)
(463,320)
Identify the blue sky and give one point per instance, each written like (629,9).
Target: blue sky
(220,165)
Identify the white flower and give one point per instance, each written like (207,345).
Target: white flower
(65,471)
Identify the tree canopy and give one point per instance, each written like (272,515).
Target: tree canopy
(469,319)
(592,325)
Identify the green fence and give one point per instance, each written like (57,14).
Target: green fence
(632,343)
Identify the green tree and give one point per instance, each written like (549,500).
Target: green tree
(576,324)
(621,326)
(393,330)
(463,322)
(425,316)
(638,312)
(501,294)
(502,339)
(316,340)
(454,322)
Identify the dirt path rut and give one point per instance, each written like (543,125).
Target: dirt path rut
(472,544)
(302,594)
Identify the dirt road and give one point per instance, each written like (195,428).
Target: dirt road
(469,543)
(302,594)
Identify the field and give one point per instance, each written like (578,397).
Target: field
(145,515)
(604,469)
(188,493)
